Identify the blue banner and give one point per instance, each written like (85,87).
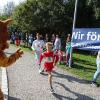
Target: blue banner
(86,38)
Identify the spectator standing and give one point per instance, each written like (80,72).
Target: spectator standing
(97,73)
(17,39)
(53,38)
(13,38)
(68,49)
(26,39)
(57,43)
(30,38)
(46,38)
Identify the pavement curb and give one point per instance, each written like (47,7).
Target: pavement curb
(4,85)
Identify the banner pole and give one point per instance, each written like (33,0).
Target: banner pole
(74,23)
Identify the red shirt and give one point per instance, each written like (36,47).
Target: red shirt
(49,59)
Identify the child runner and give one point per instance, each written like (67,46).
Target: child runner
(97,73)
(50,61)
(37,47)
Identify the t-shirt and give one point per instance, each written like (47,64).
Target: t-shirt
(68,47)
(57,44)
(50,58)
(30,39)
(38,45)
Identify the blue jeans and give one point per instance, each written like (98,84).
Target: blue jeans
(97,73)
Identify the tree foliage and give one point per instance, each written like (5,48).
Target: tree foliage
(88,13)
(44,15)
(48,16)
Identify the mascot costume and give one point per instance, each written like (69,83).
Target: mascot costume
(4,60)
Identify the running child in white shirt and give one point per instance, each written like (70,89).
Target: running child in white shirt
(37,47)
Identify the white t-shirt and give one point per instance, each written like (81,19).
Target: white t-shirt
(57,44)
(38,45)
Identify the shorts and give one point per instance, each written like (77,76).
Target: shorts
(48,68)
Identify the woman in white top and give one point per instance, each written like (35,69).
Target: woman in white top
(57,43)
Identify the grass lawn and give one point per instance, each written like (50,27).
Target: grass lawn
(84,66)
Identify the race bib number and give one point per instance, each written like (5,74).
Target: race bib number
(49,59)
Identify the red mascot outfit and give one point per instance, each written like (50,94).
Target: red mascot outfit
(4,60)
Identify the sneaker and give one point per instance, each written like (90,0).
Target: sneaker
(94,84)
(52,90)
(40,71)
(39,66)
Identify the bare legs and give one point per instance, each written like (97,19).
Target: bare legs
(50,79)
(50,82)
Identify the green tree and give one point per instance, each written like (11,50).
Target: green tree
(44,15)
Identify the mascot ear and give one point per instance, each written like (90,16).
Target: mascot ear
(3,29)
(7,21)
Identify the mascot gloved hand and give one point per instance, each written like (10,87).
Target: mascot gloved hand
(4,60)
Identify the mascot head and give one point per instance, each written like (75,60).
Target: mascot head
(4,34)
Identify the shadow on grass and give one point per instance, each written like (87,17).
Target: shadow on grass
(78,95)
(78,66)
(70,78)
(84,62)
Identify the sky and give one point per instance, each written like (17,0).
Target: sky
(4,2)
